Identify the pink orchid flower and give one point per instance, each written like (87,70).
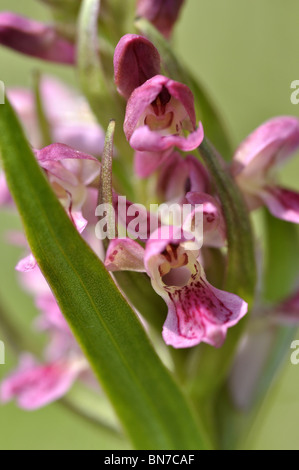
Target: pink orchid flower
(197,311)
(184,186)
(69,172)
(34,385)
(179,176)
(256,160)
(158,115)
(68,114)
(186,181)
(35,39)
(163,14)
(160,112)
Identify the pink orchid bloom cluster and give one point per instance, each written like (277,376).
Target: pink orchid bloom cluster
(162,136)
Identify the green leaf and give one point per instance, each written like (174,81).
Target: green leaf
(149,404)
(205,108)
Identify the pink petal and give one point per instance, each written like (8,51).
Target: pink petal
(185,96)
(145,163)
(35,39)
(26,264)
(36,285)
(58,152)
(139,56)
(162,13)
(143,96)
(267,146)
(197,311)
(35,386)
(125,255)
(79,221)
(179,176)
(52,317)
(201,313)
(199,177)
(5,196)
(282,203)
(83,136)
(145,140)
(140,99)
(214,228)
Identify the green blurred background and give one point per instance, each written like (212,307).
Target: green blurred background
(246,54)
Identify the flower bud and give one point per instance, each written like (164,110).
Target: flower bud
(35,39)
(163,14)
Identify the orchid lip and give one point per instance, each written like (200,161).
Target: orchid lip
(156,123)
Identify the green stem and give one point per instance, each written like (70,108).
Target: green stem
(211,366)
(43,123)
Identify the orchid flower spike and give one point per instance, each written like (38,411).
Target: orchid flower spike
(163,14)
(256,160)
(35,39)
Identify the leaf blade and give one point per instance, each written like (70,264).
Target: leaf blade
(152,409)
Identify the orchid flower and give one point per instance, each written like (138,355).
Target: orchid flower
(256,160)
(35,39)
(179,176)
(69,172)
(34,385)
(163,14)
(160,111)
(158,114)
(186,181)
(197,311)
